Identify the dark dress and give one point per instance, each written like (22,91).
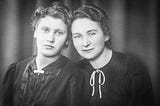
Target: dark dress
(126,83)
(59,85)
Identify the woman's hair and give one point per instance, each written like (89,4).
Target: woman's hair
(56,10)
(96,14)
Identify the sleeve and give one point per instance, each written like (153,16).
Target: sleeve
(142,92)
(7,87)
(76,85)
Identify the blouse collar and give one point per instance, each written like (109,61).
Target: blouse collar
(59,63)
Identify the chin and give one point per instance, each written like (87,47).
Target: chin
(50,54)
(88,57)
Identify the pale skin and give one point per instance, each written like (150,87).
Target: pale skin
(50,35)
(89,41)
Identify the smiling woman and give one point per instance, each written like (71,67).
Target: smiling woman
(88,38)
(111,78)
(47,78)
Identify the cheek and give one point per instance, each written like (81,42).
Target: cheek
(40,39)
(61,41)
(77,45)
(99,42)
(40,36)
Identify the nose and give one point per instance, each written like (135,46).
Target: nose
(86,42)
(51,38)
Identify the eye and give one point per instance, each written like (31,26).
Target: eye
(45,29)
(92,33)
(59,33)
(76,36)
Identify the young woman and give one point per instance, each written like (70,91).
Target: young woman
(48,78)
(111,78)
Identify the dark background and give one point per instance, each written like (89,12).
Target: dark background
(134,30)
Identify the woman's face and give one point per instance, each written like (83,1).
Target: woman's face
(51,35)
(88,38)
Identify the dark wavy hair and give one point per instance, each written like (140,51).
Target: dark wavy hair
(96,14)
(56,10)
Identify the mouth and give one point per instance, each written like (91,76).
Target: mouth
(87,50)
(49,46)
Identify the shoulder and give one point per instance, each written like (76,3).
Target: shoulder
(119,62)
(72,72)
(70,66)
(23,62)
(127,64)
(135,68)
(12,69)
(68,63)
(121,57)
(128,60)
(12,72)
(82,63)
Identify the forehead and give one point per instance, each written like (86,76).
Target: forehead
(84,24)
(49,21)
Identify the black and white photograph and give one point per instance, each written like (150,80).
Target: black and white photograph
(79,53)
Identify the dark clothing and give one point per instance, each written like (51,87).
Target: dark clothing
(126,83)
(59,85)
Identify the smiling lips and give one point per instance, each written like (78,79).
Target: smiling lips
(87,50)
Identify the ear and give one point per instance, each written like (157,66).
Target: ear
(67,43)
(35,33)
(106,38)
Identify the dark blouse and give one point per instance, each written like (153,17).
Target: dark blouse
(126,83)
(59,85)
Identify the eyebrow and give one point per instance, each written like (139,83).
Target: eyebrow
(87,31)
(55,29)
(91,30)
(62,30)
(44,27)
(75,33)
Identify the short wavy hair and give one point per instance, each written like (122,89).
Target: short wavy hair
(96,14)
(56,10)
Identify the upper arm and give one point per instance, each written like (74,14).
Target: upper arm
(7,87)
(141,85)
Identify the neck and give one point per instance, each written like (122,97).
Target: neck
(43,61)
(102,60)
